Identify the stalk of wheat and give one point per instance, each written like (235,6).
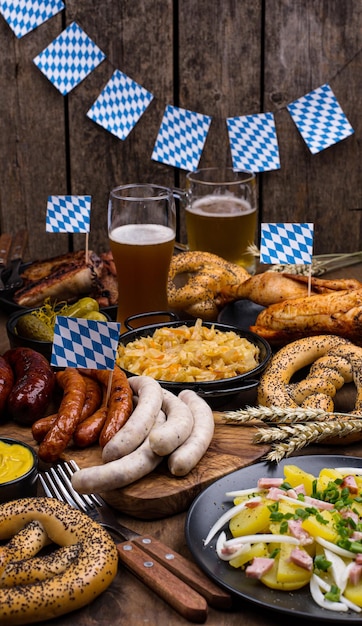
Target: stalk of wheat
(294,428)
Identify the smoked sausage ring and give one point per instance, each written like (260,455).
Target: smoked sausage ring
(86,577)
(334,361)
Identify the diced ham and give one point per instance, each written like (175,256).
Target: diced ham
(295,528)
(350,483)
(355,573)
(319,504)
(252,504)
(300,489)
(301,558)
(268,483)
(350,515)
(356,536)
(358,559)
(259,567)
(275,493)
(291,493)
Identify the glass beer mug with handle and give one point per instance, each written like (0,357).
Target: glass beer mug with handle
(141,231)
(221,213)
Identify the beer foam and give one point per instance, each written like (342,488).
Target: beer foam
(220,206)
(141,234)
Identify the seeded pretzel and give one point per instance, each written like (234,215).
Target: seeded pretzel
(90,561)
(334,361)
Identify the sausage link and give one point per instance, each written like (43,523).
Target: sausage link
(6,382)
(42,426)
(33,387)
(88,431)
(120,406)
(57,439)
(138,426)
(92,402)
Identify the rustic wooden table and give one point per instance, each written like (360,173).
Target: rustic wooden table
(128,601)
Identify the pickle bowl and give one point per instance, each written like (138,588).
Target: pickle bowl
(16,340)
(215,392)
(19,461)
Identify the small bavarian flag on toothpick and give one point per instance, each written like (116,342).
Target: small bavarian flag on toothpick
(83,343)
(69,214)
(287,244)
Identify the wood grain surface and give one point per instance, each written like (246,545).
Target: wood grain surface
(220,59)
(160,494)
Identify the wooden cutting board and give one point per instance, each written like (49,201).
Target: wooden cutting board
(160,494)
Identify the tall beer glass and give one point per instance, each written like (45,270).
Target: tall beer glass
(141,229)
(221,213)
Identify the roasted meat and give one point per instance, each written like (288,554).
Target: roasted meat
(337,313)
(62,278)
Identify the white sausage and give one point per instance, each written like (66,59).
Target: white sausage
(184,458)
(120,472)
(139,424)
(177,428)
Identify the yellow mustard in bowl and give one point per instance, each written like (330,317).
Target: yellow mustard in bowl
(15,461)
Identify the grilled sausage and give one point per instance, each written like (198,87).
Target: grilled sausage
(60,434)
(6,382)
(33,386)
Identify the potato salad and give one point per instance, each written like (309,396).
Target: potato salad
(299,530)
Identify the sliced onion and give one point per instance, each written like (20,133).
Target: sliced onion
(336,549)
(338,569)
(326,587)
(226,517)
(266,538)
(357,471)
(243,492)
(239,549)
(318,596)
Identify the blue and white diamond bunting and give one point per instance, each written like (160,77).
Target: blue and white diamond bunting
(181,138)
(286,244)
(69,58)
(68,214)
(253,142)
(23,16)
(84,343)
(120,105)
(320,119)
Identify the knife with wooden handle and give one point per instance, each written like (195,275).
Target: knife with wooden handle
(187,602)
(5,245)
(18,245)
(186,570)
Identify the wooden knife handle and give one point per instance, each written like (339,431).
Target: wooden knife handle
(19,243)
(176,593)
(188,571)
(5,243)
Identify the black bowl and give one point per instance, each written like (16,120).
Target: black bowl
(212,389)
(24,486)
(18,341)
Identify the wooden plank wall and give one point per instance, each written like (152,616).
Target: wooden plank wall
(223,58)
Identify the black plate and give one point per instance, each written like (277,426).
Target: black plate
(212,503)
(241,314)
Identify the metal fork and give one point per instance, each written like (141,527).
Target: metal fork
(173,577)
(14,281)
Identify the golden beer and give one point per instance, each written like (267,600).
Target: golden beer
(224,225)
(142,254)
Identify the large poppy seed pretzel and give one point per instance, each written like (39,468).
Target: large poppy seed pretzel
(334,361)
(85,565)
